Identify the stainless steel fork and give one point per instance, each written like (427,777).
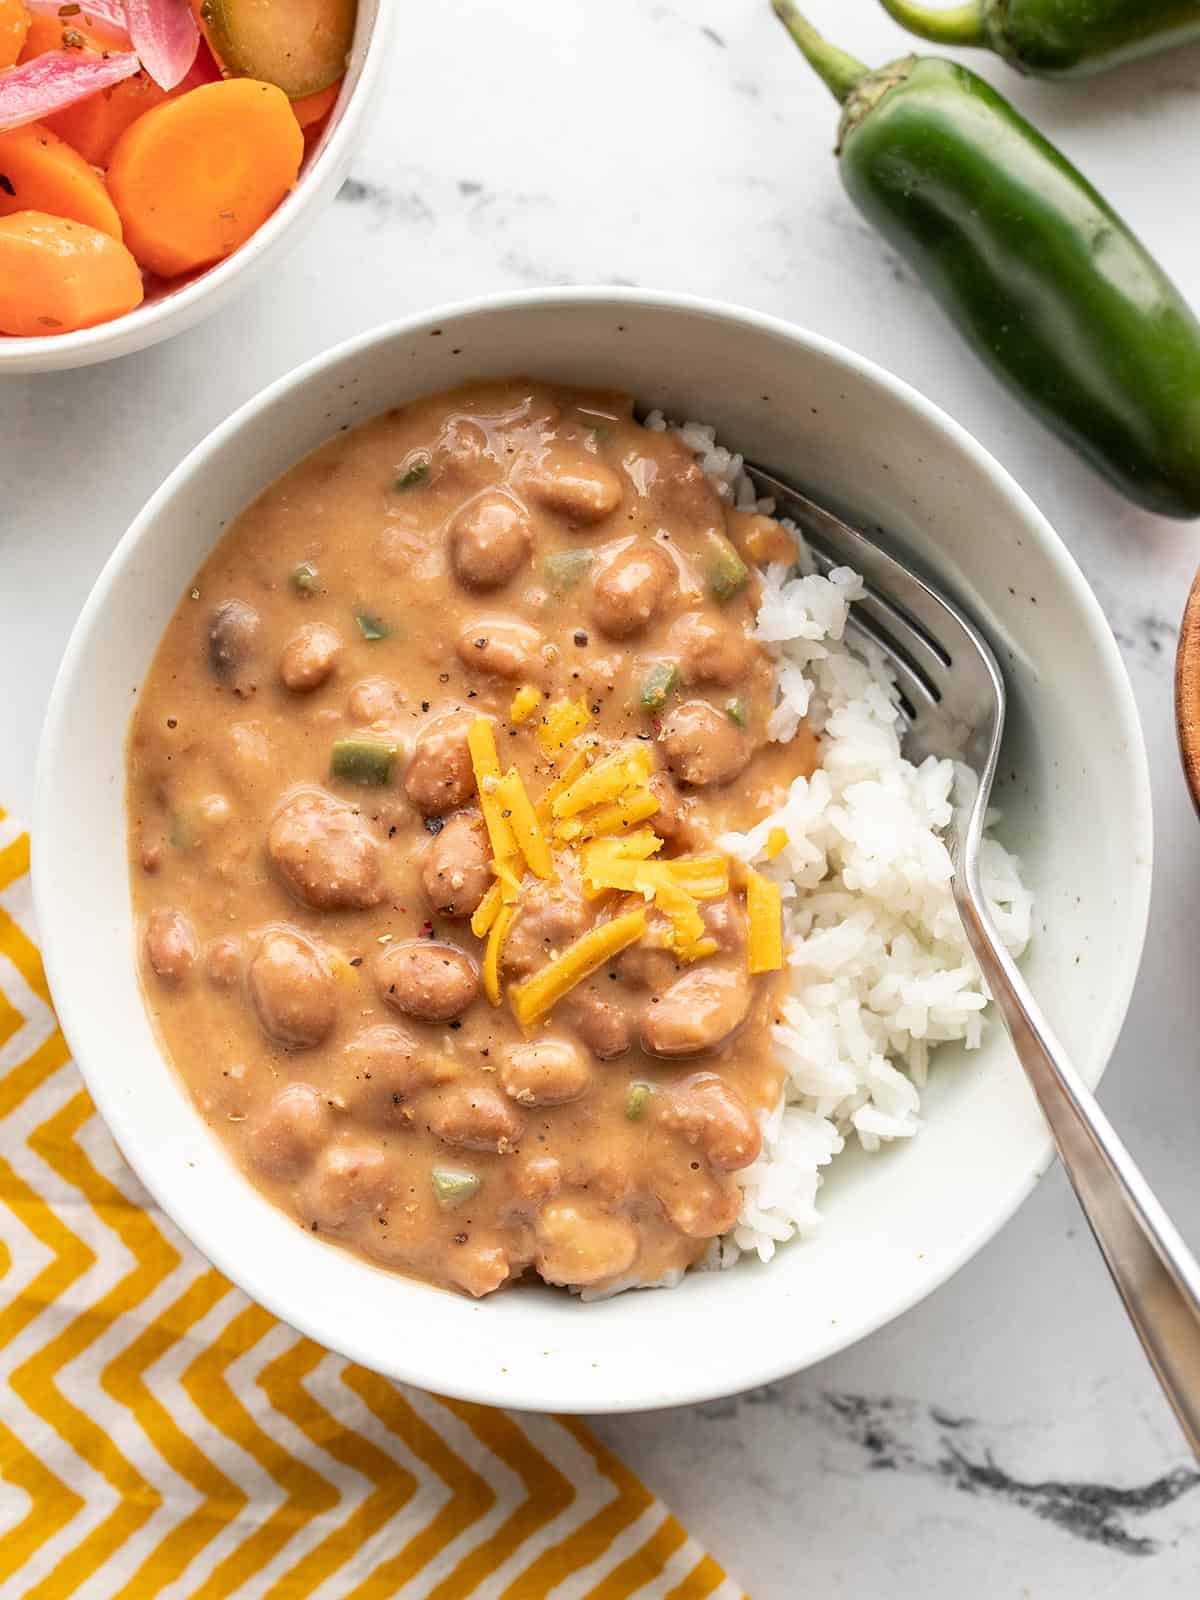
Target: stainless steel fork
(952,695)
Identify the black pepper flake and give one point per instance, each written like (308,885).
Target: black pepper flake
(392,831)
(6,184)
(314,1227)
(472,693)
(596,709)
(397,1099)
(172,722)
(424,705)
(443,677)
(481,644)
(485,1051)
(433,824)
(455,1026)
(461,1238)
(356,961)
(581,637)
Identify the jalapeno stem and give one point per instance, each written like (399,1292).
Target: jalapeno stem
(841,72)
(962,24)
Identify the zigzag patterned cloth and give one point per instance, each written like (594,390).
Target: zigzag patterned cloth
(160,1434)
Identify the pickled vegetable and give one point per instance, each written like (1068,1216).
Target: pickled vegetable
(299,45)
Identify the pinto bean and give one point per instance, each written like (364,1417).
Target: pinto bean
(170,944)
(456,867)
(475,1119)
(440,776)
(630,589)
(605,1026)
(574,484)
(325,852)
(709,648)
(701,1204)
(489,540)
(351,1177)
(309,657)
(478,1269)
(726,923)
(290,1132)
(430,981)
(503,647)
(579,1243)
(223,961)
(699,1012)
(549,917)
(544,1072)
(374,700)
(234,632)
(378,1072)
(710,1113)
(294,992)
(702,746)
(537,1178)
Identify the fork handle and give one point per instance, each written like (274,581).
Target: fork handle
(1156,1274)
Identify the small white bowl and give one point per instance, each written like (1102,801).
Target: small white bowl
(170,310)
(1076,799)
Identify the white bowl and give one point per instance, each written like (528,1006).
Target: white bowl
(1076,800)
(170,310)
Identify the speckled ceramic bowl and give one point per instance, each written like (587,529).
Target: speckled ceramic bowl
(170,309)
(896,1224)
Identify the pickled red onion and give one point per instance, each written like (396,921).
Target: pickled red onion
(110,14)
(165,36)
(55,79)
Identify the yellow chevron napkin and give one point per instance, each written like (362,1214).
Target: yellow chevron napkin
(162,1434)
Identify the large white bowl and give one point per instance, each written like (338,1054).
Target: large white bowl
(170,310)
(1076,801)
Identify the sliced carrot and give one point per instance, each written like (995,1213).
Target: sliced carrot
(93,125)
(311,108)
(195,177)
(74,32)
(14,25)
(41,172)
(57,276)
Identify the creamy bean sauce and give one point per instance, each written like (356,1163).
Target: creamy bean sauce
(308,849)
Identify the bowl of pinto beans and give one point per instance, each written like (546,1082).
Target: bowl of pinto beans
(155,154)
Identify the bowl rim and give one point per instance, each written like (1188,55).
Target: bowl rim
(124,1129)
(1187,691)
(182,308)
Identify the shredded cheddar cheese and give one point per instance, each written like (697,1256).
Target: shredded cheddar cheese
(486,911)
(564,721)
(626,811)
(627,768)
(532,999)
(517,810)
(481,742)
(764,909)
(777,840)
(491,956)
(524,703)
(545,806)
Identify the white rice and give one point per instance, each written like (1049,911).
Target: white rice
(880,969)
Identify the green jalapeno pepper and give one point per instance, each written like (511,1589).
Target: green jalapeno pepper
(1055,38)
(1039,273)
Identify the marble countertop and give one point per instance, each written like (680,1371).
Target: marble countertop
(1005,1436)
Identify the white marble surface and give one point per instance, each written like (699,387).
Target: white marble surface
(1005,1437)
